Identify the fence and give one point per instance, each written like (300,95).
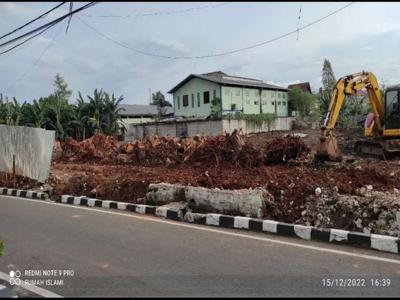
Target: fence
(26,150)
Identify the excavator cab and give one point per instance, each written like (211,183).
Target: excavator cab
(392,108)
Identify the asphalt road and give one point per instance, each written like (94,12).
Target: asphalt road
(125,254)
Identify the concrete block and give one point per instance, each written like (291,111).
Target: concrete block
(250,203)
(164,193)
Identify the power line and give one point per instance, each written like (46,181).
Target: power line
(71,5)
(161,13)
(44,27)
(36,62)
(30,22)
(221,53)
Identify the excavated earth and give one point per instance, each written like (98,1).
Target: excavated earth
(104,168)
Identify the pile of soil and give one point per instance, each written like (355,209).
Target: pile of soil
(282,149)
(97,147)
(229,148)
(211,151)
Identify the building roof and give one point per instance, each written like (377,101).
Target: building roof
(141,110)
(304,86)
(225,79)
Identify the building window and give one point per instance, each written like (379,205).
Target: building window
(233,106)
(279,102)
(284,103)
(256,102)
(256,93)
(264,94)
(206,96)
(283,96)
(247,93)
(279,95)
(273,103)
(272,94)
(192,100)
(198,99)
(215,94)
(179,102)
(238,93)
(264,103)
(185,100)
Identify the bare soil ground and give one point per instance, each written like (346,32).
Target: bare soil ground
(291,182)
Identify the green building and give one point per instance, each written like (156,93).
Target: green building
(193,96)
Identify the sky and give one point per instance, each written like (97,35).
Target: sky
(364,36)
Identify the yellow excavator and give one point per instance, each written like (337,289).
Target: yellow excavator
(382,126)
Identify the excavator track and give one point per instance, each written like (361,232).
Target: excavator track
(377,147)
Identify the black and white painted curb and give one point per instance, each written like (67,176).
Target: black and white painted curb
(363,240)
(23,193)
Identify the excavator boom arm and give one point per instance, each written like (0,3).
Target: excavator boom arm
(349,85)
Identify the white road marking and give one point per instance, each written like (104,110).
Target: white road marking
(32,288)
(204,228)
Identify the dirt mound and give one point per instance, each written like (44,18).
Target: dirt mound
(282,149)
(97,147)
(226,149)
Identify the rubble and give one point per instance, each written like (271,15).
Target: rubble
(374,212)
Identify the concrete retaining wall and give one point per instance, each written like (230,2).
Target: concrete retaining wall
(203,127)
(32,148)
(280,123)
(246,202)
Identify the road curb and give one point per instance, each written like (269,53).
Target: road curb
(329,235)
(23,193)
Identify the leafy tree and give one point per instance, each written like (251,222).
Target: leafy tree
(328,77)
(216,108)
(158,99)
(61,88)
(302,101)
(10,112)
(81,120)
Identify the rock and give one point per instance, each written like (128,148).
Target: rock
(318,191)
(358,223)
(369,187)
(362,191)
(47,188)
(392,174)
(396,191)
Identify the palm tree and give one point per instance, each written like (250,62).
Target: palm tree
(111,113)
(96,108)
(35,114)
(80,118)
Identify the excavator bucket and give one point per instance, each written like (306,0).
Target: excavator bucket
(328,149)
